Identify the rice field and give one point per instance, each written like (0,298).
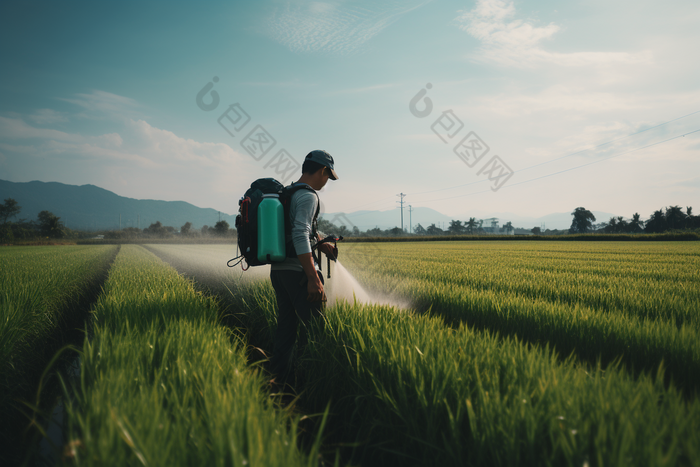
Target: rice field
(638,303)
(456,353)
(502,367)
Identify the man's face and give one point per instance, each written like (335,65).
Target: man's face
(324,176)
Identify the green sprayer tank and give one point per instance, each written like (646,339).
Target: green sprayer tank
(271,229)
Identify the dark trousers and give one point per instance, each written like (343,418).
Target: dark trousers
(290,289)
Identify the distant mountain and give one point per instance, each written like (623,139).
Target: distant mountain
(88,207)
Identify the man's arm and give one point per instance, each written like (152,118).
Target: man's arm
(305,204)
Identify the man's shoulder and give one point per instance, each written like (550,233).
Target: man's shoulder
(302,191)
(296,188)
(304,201)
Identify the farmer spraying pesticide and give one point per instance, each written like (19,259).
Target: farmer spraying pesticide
(278,225)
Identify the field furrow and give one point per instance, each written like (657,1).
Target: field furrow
(45,294)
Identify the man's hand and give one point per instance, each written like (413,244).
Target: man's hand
(315,291)
(329,250)
(314,287)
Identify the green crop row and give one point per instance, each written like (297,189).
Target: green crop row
(635,302)
(650,281)
(420,393)
(41,288)
(677,235)
(36,284)
(162,383)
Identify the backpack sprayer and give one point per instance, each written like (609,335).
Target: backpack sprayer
(263,226)
(333,256)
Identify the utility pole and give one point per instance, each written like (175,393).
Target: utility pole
(120,221)
(401,195)
(410,219)
(219,216)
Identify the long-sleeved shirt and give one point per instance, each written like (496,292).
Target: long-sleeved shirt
(302,208)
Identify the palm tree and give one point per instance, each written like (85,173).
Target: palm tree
(612,226)
(455,227)
(656,223)
(583,220)
(675,218)
(635,224)
(471,225)
(692,222)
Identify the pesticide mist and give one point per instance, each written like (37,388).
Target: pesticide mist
(344,286)
(207,264)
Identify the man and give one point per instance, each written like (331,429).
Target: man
(297,281)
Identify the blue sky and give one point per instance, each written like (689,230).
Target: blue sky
(106,94)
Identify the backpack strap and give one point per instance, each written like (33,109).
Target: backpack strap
(288,192)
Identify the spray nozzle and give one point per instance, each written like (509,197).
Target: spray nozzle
(330,238)
(334,255)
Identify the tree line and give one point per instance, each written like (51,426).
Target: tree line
(672,218)
(48,225)
(158,230)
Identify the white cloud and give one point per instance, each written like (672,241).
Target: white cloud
(334,26)
(514,42)
(364,89)
(561,97)
(146,161)
(165,147)
(689,183)
(16,128)
(105,104)
(156,145)
(47,117)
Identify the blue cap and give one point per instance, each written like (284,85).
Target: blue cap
(323,158)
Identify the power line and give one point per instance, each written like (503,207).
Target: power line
(373,202)
(402,196)
(571,168)
(564,156)
(547,162)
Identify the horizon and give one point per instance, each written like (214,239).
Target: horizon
(483,106)
(341,218)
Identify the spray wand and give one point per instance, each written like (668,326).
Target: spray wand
(334,256)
